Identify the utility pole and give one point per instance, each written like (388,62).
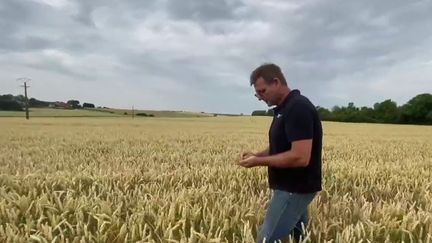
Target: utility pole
(25,80)
(133,112)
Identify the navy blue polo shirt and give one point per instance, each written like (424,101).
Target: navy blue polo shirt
(296,118)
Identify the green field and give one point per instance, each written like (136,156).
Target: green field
(107,112)
(156,113)
(176,180)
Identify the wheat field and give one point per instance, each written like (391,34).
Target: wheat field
(176,180)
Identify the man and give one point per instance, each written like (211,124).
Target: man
(293,157)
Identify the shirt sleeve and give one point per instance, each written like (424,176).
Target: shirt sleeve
(299,123)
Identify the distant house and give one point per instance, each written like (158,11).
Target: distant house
(60,104)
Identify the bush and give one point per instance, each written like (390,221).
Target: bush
(145,114)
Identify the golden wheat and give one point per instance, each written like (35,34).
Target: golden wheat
(175,180)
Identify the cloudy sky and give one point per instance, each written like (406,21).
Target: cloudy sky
(196,55)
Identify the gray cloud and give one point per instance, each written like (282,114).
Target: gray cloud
(203,11)
(197,55)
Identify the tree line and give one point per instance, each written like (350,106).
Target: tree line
(10,102)
(417,110)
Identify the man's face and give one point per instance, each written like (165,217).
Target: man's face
(265,92)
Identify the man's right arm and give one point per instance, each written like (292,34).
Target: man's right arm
(265,152)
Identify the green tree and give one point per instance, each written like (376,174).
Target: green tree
(75,104)
(259,113)
(324,113)
(417,110)
(386,111)
(367,114)
(9,102)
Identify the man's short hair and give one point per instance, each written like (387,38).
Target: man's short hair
(268,71)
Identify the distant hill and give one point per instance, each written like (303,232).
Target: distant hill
(11,105)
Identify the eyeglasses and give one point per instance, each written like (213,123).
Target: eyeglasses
(259,93)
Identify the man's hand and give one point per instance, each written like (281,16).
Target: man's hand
(245,155)
(249,161)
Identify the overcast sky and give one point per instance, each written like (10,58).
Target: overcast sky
(196,55)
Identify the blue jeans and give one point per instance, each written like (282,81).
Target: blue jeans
(287,214)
